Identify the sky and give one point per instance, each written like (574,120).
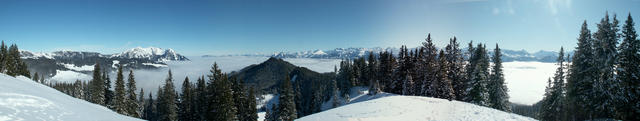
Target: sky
(221,27)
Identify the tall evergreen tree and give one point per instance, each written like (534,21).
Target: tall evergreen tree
(605,50)
(455,65)
(372,74)
(141,103)
(581,77)
(240,98)
(498,96)
(629,72)
(287,107)
(3,57)
(442,84)
(201,98)
(150,109)
(167,108)
(11,63)
(478,86)
(469,70)
(108,93)
(186,113)
(120,98)
(552,107)
(132,102)
(429,66)
(252,112)
(97,86)
(222,106)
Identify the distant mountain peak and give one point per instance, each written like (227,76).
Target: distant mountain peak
(152,53)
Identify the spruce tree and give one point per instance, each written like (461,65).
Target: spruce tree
(286,105)
(455,66)
(120,98)
(240,98)
(222,107)
(498,96)
(167,108)
(469,70)
(478,86)
(97,86)
(201,98)
(429,66)
(186,113)
(35,76)
(252,112)
(132,103)
(372,74)
(141,103)
(150,109)
(442,85)
(108,93)
(3,58)
(11,63)
(629,72)
(581,77)
(552,107)
(605,50)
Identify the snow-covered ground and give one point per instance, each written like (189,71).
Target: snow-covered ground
(69,76)
(412,108)
(22,99)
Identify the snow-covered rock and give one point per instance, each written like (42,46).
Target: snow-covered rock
(412,108)
(152,53)
(24,99)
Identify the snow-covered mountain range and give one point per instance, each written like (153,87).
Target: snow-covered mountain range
(76,62)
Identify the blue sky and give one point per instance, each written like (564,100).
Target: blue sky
(252,26)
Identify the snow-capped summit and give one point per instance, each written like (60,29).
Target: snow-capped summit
(319,52)
(152,53)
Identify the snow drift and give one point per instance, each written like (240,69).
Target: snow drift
(412,108)
(23,99)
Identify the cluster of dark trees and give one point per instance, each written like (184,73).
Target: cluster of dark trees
(221,98)
(432,72)
(602,81)
(123,99)
(10,62)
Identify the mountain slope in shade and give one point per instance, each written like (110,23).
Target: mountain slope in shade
(412,108)
(24,99)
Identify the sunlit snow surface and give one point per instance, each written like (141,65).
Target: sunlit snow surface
(413,108)
(22,99)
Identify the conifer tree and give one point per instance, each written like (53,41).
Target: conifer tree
(141,103)
(186,113)
(120,98)
(3,58)
(498,97)
(150,109)
(552,107)
(108,93)
(286,106)
(132,103)
(240,98)
(201,99)
(629,72)
(581,77)
(167,108)
(252,112)
(441,86)
(455,65)
(606,55)
(222,107)
(478,92)
(469,70)
(97,86)
(11,63)
(429,66)
(35,76)
(372,75)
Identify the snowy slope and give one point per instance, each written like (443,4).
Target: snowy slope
(24,99)
(411,108)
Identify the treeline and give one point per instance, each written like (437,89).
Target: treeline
(221,98)
(432,72)
(602,81)
(10,62)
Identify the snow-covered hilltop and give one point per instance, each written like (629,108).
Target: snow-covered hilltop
(151,53)
(412,108)
(24,99)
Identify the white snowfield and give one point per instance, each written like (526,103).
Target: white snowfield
(22,99)
(413,108)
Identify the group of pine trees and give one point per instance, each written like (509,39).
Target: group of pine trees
(11,63)
(221,98)
(123,99)
(602,81)
(429,71)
